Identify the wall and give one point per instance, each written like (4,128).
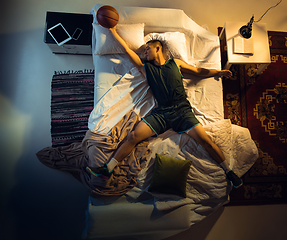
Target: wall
(40,203)
(23,15)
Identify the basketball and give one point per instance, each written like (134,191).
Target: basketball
(107,16)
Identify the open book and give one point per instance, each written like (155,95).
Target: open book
(242,45)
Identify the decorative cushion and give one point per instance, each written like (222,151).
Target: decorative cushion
(133,34)
(170,175)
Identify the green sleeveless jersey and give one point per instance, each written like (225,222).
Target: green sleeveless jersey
(165,82)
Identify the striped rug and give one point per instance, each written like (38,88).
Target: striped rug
(72,101)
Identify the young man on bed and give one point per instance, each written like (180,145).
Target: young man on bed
(173,111)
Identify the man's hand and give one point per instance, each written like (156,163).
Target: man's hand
(225,73)
(113,29)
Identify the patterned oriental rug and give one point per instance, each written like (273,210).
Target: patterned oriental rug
(260,104)
(71,104)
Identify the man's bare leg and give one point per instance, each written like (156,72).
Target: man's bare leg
(141,132)
(198,133)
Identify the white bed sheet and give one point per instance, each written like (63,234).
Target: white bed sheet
(119,88)
(131,91)
(108,70)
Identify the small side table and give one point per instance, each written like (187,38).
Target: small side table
(71,22)
(261,50)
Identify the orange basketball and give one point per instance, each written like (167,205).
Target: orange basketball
(107,16)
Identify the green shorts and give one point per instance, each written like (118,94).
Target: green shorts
(179,117)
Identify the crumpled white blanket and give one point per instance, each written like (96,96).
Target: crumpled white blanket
(206,181)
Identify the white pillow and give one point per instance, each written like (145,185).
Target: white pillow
(175,42)
(133,34)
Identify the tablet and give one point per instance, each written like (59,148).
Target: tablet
(59,34)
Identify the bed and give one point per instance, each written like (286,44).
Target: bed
(120,90)
(126,207)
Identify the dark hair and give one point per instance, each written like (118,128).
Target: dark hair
(155,41)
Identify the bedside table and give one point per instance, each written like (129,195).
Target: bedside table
(260,53)
(80,24)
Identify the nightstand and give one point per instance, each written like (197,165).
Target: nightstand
(259,53)
(78,24)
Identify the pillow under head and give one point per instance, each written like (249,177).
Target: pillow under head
(174,44)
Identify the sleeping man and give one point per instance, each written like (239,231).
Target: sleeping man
(164,77)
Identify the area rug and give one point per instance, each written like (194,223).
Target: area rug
(72,101)
(260,104)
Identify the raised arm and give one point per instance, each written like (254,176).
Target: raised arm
(202,72)
(133,57)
